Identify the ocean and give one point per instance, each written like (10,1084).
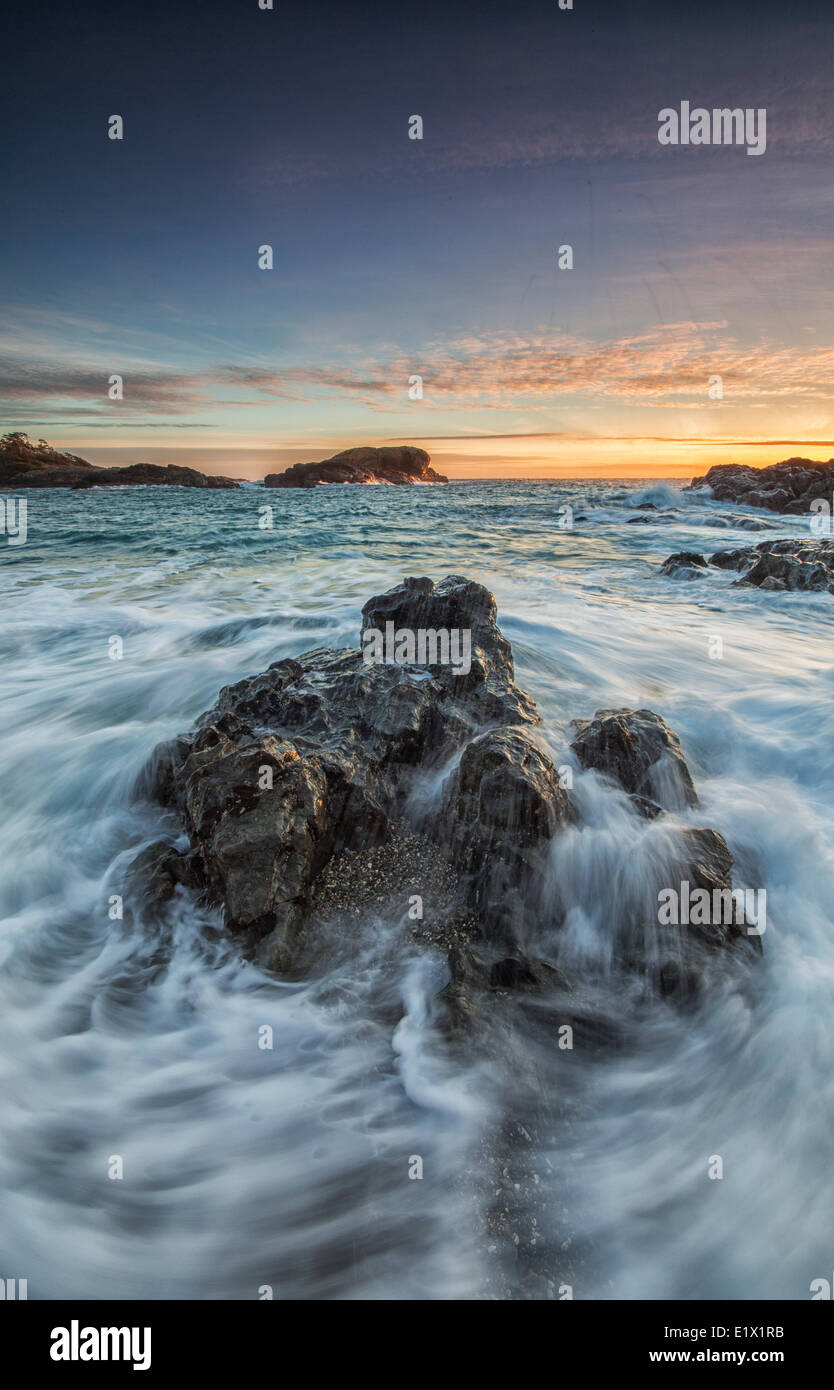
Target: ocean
(283,1172)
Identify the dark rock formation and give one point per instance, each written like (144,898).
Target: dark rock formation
(24,464)
(740,559)
(685,564)
(396,464)
(681,958)
(638,750)
(342,743)
(153,475)
(328,769)
(788,487)
(501,808)
(775,565)
(784,566)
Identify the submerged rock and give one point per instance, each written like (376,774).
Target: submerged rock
(396,464)
(685,564)
(740,559)
(790,486)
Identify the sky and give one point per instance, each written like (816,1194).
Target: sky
(438,258)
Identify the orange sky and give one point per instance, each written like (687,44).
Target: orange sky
(499,456)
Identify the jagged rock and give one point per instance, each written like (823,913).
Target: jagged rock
(454,605)
(343,743)
(395,464)
(792,564)
(809,567)
(685,564)
(309,778)
(790,486)
(637,749)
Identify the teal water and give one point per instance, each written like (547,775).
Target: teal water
(245,1168)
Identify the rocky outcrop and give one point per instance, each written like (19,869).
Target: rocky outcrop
(779,566)
(638,750)
(394,464)
(788,487)
(153,475)
(329,770)
(320,754)
(24,464)
(802,567)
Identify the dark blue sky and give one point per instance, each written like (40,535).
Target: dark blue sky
(437,257)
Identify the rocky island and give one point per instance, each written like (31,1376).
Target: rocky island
(397,465)
(789,487)
(27,464)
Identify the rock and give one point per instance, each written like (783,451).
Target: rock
(474,969)
(776,565)
(154,876)
(343,744)
(638,750)
(734,559)
(384,881)
(502,806)
(809,568)
(685,955)
(790,486)
(685,564)
(394,464)
(791,564)
(24,464)
(456,604)
(328,787)
(153,475)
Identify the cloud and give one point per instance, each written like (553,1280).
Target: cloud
(666,365)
